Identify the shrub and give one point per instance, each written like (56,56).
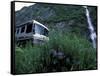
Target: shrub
(36,58)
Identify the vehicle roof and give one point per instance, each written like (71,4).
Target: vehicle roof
(34,21)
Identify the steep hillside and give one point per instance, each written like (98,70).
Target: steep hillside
(70,18)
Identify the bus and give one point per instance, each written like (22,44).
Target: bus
(31,31)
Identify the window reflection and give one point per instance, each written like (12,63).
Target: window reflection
(41,30)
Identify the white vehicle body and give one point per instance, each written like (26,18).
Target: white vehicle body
(32,30)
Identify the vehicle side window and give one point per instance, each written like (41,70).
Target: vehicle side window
(34,29)
(17,31)
(22,29)
(29,28)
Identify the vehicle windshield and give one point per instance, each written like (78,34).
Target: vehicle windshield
(41,30)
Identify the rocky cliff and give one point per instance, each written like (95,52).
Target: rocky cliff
(60,17)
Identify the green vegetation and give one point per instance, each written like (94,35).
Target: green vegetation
(36,58)
(69,33)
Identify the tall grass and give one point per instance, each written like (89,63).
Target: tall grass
(36,58)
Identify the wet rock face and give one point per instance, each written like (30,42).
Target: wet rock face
(59,61)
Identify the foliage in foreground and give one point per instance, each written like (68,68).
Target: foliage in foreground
(36,58)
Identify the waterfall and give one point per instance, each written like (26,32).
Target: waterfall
(91,28)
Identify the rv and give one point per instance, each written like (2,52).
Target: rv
(32,31)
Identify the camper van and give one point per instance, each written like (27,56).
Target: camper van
(32,31)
